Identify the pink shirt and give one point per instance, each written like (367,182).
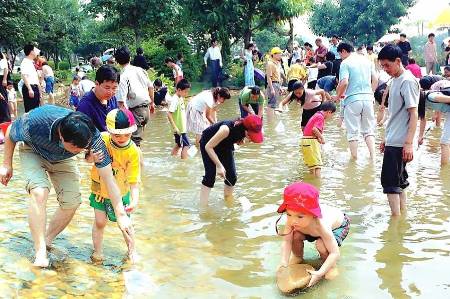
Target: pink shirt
(317,120)
(415,70)
(429,52)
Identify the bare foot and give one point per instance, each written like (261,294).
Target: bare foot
(41,260)
(134,257)
(97,257)
(332,273)
(295,260)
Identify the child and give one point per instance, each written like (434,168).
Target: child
(162,96)
(177,118)
(12,99)
(397,145)
(126,169)
(176,70)
(312,136)
(74,92)
(307,220)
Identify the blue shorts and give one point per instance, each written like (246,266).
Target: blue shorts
(183,141)
(74,101)
(49,83)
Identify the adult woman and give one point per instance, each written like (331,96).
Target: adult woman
(4,108)
(309,99)
(201,110)
(249,70)
(217,148)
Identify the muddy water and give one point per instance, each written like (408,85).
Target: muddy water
(229,249)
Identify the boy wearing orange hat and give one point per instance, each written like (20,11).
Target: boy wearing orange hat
(307,220)
(126,170)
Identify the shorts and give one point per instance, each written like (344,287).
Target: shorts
(394,177)
(141,115)
(311,152)
(74,101)
(49,83)
(183,141)
(445,137)
(359,116)
(64,176)
(105,205)
(273,98)
(339,233)
(307,114)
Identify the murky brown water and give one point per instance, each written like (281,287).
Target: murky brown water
(230,250)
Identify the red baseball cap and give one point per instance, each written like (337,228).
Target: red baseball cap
(301,197)
(253,126)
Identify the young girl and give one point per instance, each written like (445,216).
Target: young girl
(12,102)
(74,92)
(309,99)
(126,169)
(217,148)
(307,220)
(201,110)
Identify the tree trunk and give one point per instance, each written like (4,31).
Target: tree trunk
(247,36)
(291,35)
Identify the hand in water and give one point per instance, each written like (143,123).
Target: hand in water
(124,223)
(6,173)
(130,208)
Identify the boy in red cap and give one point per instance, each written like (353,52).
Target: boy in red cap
(307,220)
(217,147)
(312,137)
(126,169)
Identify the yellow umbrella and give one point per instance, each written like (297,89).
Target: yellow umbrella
(442,20)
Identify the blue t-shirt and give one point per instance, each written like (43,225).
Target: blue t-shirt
(92,107)
(38,130)
(358,70)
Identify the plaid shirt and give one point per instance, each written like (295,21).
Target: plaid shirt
(38,129)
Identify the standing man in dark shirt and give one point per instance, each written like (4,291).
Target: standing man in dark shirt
(139,60)
(101,99)
(406,48)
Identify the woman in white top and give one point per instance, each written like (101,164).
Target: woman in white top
(4,108)
(201,110)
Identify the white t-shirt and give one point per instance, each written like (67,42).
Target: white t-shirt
(86,85)
(203,100)
(47,71)
(177,70)
(11,95)
(133,86)
(27,68)
(3,66)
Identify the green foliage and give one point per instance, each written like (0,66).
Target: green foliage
(153,75)
(64,66)
(63,76)
(266,39)
(359,21)
(236,71)
(417,43)
(51,64)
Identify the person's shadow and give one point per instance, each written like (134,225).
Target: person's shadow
(393,255)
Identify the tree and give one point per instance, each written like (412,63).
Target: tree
(359,21)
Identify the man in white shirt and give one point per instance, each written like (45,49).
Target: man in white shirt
(215,58)
(30,89)
(135,92)
(86,85)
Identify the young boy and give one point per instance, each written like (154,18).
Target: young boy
(12,102)
(177,118)
(176,69)
(126,169)
(401,127)
(307,220)
(74,92)
(312,136)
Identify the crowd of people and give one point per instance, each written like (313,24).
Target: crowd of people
(112,113)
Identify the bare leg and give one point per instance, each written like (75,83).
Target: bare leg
(403,201)
(184,153)
(445,153)
(204,195)
(333,272)
(317,172)
(51,99)
(97,234)
(58,223)
(394,203)
(197,140)
(370,142)
(37,218)
(353,145)
(228,192)
(175,150)
(297,248)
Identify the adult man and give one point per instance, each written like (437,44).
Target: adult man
(430,55)
(99,101)
(405,46)
(400,130)
(320,52)
(139,60)
(86,85)
(337,58)
(135,92)
(30,90)
(52,136)
(357,81)
(274,74)
(49,79)
(215,58)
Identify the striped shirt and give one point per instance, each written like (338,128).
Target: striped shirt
(38,129)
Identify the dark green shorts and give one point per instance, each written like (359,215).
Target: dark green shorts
(106,205)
